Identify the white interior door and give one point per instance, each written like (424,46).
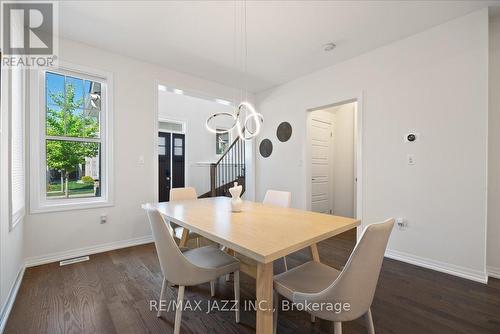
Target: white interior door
(321,157)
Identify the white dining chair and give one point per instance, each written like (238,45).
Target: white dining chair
(190,266)
(278,198)
(183,194)
(315,283)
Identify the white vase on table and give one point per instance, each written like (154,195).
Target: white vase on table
(236,202)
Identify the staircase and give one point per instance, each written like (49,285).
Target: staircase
(228,169)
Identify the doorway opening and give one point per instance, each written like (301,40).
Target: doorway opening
(171,158)
(210,162)
(333,152)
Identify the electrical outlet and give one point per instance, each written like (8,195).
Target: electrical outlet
(104,219)
(401,224)
(410,158)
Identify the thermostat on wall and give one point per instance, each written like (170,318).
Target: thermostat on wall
(411,137)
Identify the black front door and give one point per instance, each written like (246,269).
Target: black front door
(164,163)
(178,153)
(171,163)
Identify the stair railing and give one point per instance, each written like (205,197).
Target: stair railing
(228,169)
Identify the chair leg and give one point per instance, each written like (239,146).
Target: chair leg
(162,293)
(178,311)
(276,302)
(228,277)
(286,265)
(237,294)
(369,322)
(337,327)
(313,318)
(212,288)
(198,242)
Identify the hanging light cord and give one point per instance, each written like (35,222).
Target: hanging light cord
(245,112)
(246,49)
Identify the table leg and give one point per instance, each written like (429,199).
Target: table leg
(184,238)
(315,253)
(264,293)
(232,253)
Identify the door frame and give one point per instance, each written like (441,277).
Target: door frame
(359,144)
(156,129)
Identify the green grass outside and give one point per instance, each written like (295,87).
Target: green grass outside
(54,189)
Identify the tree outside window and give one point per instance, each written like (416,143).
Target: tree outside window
(72,136)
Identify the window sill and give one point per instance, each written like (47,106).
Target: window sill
(57,207)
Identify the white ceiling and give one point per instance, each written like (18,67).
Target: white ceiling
(285,38)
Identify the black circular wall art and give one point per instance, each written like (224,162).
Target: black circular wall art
(266,148)
(284,131)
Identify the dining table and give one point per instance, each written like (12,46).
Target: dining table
(261,232)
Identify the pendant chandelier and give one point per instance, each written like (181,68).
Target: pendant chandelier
(245,119)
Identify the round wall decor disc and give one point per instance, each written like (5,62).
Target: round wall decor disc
(284,131)
(266,148)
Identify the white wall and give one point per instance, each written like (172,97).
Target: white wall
(435,82)
(343,160)
(200,143)
(494,150)
(11,242)
(51,235)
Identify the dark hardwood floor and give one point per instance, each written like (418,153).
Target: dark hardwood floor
(111,294)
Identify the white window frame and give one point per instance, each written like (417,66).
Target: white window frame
(38,199)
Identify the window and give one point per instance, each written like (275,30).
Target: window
(162,146)
(221,141)
(17,146)
(74,140)
(178,146)
(171,126)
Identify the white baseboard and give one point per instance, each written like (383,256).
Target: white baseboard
(59,256)
(470,274)
(493,272)
(5,311)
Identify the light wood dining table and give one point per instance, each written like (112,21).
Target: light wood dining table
(261,232)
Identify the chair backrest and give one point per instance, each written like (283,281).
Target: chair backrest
(182,194)
(358,280)
(278,198)
(176,268)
